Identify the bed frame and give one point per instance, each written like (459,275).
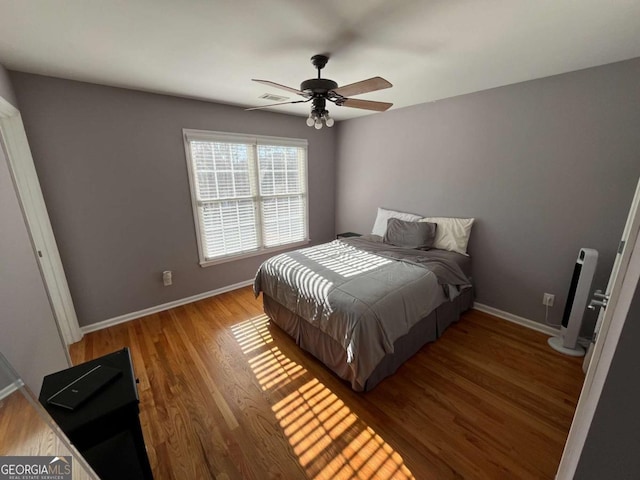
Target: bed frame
(333,355)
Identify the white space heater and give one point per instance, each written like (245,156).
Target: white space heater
(567,341)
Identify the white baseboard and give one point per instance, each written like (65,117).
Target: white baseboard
(160,308)
(9,389)
(525,322)
(510,317)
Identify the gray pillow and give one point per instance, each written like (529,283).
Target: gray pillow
(410,234)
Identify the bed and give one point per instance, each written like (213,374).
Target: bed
(363,306)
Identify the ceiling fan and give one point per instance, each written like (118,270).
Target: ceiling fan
(319,90)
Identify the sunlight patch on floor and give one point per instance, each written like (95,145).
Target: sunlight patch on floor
(252,334)
(330,441)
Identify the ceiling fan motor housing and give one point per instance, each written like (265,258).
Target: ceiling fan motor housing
(319,104)
(318,86)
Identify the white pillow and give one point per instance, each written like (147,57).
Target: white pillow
(380,225)
(452,233)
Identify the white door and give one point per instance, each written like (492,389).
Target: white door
(28,189)
(614,305)
(607,300)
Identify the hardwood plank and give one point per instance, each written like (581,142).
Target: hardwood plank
(25,432)
(226,395)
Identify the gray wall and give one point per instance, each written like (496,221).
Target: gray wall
(546,167)
(112,167)
(6,89)
(29,338)
(612,445)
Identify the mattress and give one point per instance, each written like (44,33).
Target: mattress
(334,357)
(362,294)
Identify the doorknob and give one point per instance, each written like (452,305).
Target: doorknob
(593,304)
(599,294)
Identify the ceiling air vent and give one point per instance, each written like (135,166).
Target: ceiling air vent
(273,98)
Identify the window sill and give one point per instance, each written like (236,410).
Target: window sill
(263,251)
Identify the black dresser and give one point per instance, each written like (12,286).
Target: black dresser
(106,428)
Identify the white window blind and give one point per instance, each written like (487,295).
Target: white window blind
(249,192)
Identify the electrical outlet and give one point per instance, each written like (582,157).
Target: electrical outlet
(547,299)
(167,278)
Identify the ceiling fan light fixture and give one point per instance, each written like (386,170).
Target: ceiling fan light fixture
(319,117)
(328,120)
(311,120)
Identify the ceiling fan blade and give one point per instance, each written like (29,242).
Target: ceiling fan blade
(277,85)
(366,104)
(275,104)
(370,85)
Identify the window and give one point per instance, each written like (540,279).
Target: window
(249,193)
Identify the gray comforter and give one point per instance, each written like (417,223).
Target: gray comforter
(363,293)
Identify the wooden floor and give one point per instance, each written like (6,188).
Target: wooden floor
(24,432)
(226,395)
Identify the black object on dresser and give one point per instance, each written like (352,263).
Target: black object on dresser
(106,428)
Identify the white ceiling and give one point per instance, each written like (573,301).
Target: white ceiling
(428,49)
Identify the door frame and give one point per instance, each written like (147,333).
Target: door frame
(37,220)
(605,346)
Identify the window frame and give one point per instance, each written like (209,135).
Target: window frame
(255,140)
